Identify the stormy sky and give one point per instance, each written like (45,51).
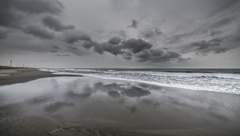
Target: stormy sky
(120,33)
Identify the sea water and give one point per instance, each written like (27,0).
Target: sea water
(215,80)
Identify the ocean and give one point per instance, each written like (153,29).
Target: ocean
(215,80)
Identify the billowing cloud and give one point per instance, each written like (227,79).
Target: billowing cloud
(222,5)
(114,40)
(89,44)
(157,55)
(37,6)
(75,37)
(136,45)
(62,55)
(38,32)
(56,47)
(221,50)
(176,38)
(12,12)
(113,49)
(133,48)
(221,22)
(151,33)
(3,33)
(75,50)
(204,44)
(55,24)
(134,24)
(204,28)
(205,47)
(127,55)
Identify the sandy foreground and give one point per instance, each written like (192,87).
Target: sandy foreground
(61,105)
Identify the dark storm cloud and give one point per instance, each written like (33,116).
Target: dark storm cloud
(113,49)
(221,5)
(204,47)
(133,48)
(98,49)
(215,32)
(222,22)
(10,10)
(127,55)
(37,6)
(157,55)
(134,24)
(3,34)
(74,50)
(114,40)
(177,38)
(55,24)
(75,37)
(104,47)
(119,33)
(151,33)
(136,45)
(204,44)
(62,55)
(221,50)
(236,37)
(38,32)
(90,44)
(56,47)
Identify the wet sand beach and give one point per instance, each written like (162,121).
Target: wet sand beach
(85,106)
(21,75)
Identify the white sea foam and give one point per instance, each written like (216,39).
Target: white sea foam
(216,82)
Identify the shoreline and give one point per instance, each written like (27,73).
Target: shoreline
(94,106)
(13,76)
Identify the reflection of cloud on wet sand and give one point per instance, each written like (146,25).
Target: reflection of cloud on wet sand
(133,109)
(130,103)
(57,106)
(38,100)
(114,94)
(113,90)
(135,92)
(86,92)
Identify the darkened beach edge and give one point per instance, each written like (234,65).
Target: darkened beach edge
(12,76)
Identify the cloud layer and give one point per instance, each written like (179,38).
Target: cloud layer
(144,33)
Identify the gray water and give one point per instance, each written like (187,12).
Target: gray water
(214,80)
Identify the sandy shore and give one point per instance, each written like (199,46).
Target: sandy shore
(12,76)
(84,106)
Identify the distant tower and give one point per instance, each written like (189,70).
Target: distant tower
(10,63)
(23,65)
